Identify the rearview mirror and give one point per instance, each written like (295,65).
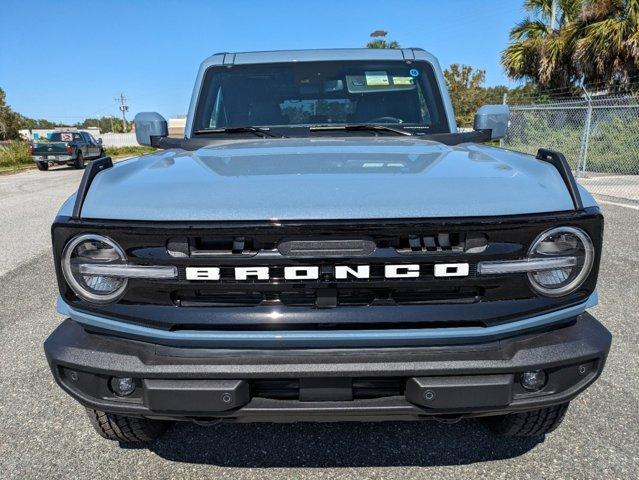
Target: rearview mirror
(99,141)
(493,118)
(149,125)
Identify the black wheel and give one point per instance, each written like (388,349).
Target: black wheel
(126,429)
(43,166)
(528,424)
(79,161)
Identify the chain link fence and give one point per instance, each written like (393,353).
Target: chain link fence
(599,135)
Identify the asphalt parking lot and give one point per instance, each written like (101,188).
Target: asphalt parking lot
(46,435)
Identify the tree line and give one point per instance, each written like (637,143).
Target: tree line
(12,122)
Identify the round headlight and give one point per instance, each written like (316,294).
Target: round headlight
(556,243)
(80,254)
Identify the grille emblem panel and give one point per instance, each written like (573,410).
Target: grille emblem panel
(339,272)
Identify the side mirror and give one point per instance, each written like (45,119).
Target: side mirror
(99,141)
(493,118)
(149,125)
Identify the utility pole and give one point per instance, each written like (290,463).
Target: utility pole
(123,108)
(553,15)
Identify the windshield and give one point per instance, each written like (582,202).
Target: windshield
(304,94)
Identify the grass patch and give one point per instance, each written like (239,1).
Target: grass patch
(134,150)
(14,154)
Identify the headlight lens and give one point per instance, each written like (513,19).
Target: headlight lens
(561,242)
(91,249)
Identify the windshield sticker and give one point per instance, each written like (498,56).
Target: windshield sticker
(414,72)
(376,79)
(66,137)
(403,81)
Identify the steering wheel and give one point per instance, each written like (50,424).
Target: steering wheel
(386,120)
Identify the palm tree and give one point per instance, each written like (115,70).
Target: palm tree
(608,48)
(594,41)
(378,40)
(540,53)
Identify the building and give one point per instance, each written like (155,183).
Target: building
(177,126)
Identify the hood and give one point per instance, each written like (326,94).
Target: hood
(314,178)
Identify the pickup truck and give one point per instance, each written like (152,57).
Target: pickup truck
(70,148)
(324,245)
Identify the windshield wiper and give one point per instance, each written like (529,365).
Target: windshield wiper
(259,131)
(354,127)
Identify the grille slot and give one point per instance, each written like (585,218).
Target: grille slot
(456,242)
(326,248)
(321,297)
(218,299)
(362,388)
(214,246)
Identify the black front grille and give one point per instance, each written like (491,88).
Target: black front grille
(326,302)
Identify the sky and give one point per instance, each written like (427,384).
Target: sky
(69,60)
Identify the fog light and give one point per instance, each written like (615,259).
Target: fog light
(122,387)
(533,380)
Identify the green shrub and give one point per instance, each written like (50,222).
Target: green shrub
(134,150)
(13,154)
(613,145)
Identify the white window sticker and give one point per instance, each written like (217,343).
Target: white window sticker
(403,81)
(66,137)
(377,79)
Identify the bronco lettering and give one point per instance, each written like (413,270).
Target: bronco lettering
(340,272)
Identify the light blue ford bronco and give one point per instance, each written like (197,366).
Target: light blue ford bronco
(324,245)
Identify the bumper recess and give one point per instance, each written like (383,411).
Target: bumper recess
(183,383)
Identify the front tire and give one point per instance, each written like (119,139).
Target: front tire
(528,424)
(126,429)
(42,166)
(79,161)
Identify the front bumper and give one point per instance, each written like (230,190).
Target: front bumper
(183,383)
